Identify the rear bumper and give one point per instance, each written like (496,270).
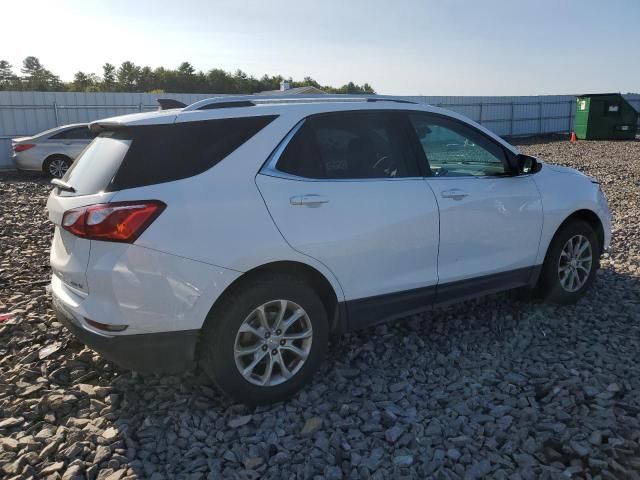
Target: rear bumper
(26,163)
(165,352)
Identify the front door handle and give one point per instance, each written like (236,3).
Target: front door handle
(454,193)
(310,200)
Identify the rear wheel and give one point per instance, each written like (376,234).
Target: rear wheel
(571,263)
(263,343)
(57,165)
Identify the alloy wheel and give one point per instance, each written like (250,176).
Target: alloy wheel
(273,343)
(575,263)
(58,167)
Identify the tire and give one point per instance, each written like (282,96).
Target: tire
(57,165)
(556,287)
(221,336)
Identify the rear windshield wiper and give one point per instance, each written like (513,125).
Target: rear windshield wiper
(63,185)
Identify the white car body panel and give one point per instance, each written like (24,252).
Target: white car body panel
(69,256)
(495,228)
(227,226)
(565,191)
(149,290)
(376,236)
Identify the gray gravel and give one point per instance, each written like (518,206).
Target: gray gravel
(495,388)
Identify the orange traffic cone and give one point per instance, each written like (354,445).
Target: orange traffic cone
(573,137)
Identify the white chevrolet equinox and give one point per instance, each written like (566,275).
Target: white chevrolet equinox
(241,232)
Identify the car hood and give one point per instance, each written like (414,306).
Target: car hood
(561,169)
(570,171)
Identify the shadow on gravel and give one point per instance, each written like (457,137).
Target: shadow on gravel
(488,387)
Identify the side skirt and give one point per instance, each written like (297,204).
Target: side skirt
(365,312)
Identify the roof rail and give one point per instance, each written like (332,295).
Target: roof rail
(253,100)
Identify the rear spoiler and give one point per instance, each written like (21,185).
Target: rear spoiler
(168,103)
(99,127)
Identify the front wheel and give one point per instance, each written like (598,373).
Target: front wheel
(571,263)
(265,340)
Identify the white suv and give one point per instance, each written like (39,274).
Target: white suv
(242,232)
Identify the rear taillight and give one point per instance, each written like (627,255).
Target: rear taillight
(21,147)
(112,222)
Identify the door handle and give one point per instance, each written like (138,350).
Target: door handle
(310,200)
(454,193)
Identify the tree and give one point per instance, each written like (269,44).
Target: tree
(184,79)
(128,76)
(186,69)
(219,81)
(108,77)
(8,79)
(36,77)
(307,82)
(85,82)
(146,79)
(351,88)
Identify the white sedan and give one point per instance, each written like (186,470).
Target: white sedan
(52,151)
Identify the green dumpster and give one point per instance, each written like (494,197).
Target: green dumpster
(605,116)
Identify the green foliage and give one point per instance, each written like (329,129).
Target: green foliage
(108,77)
(8,80)
(129,77)
(36,77)
(84,82)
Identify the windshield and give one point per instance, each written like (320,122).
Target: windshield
(97,164)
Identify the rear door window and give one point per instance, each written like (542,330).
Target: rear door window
(151,154)
(349,145)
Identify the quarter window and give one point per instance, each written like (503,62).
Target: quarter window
(348,145)
(165,153)
(150,154)
(454,150)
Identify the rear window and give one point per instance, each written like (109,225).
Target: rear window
(97,164)
(79,133)
(151,154)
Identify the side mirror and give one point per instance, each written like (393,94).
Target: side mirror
(527,164)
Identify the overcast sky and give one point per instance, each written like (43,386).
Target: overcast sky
(412,47)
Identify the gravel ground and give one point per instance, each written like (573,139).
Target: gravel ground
(495,388)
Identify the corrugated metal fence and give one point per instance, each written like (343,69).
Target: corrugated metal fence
(26,113)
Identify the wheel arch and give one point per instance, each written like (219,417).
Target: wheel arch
(315,278)
(591,218)
(586,215)
(544,284)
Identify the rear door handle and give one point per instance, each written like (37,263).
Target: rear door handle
(310,200)
(454,193)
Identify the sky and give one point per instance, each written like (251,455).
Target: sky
(410,47)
